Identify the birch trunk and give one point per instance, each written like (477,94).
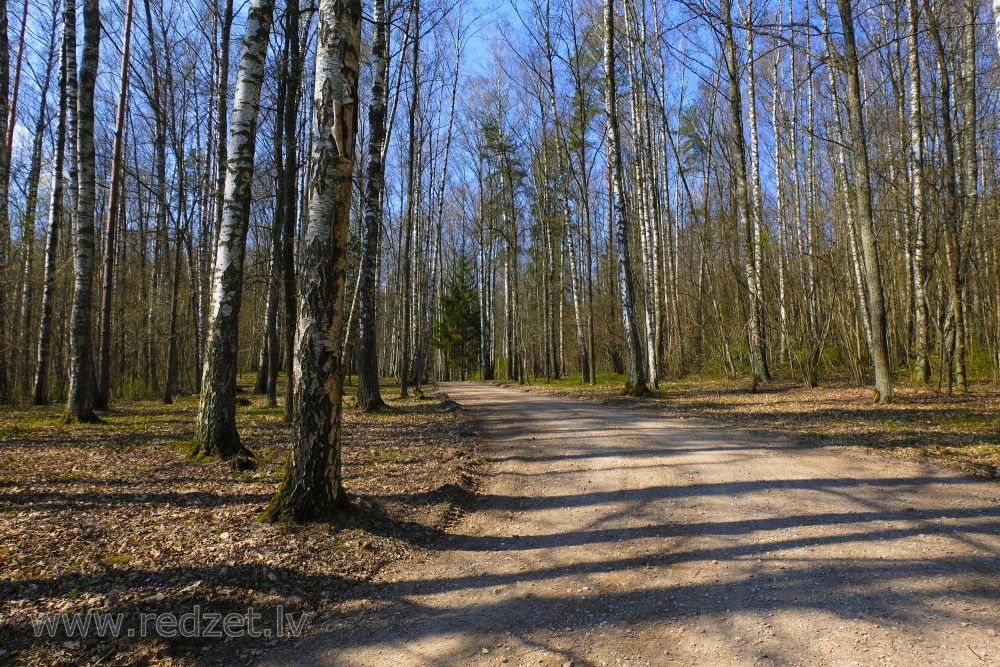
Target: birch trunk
(761,372)
(574,263)
(755,329)
(80,404)
(922,365)
(970,177)
(216,433)
(635,375)
(779,201)
(312,485)
(411,194)
(67,96)
(225,19)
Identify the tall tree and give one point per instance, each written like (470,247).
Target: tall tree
(312,484)
(67,98)
(922,363)
(4,198)
(412,185)
(369,396)
(865,213)
(635,373)
(158,102)
(747,210)
(291,175)
(216,433)
(114,193)
(82,384)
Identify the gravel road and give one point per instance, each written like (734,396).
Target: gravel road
(614,536)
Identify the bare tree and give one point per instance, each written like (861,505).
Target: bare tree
(369,396)
(67,98)
(4,197)
(114,193)
(82,383)
(863,205)
(216,433)
(312,485)
(635,372)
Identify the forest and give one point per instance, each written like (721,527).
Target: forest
(297,210)
(558,188)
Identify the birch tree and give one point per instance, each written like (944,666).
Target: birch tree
(635,372)
(82,384)
(216,433)
(67,98)
(312,483)
(747,210)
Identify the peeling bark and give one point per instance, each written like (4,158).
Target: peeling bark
(312,484)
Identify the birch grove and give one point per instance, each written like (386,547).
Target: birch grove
(625,191)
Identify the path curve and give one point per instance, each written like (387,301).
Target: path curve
(614,536)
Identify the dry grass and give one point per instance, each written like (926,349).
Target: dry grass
(113,517)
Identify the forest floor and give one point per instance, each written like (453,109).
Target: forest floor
(961,431)
(702,524)
(114,518)
(618,535)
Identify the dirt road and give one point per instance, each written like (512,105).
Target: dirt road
(612,536)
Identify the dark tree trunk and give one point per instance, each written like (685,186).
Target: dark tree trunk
(291,173)
(4,193)
(757,338)
(866,220)
(267,373)
(67,96)
(117,175)
(369,396)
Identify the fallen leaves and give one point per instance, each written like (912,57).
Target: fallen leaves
(114,518)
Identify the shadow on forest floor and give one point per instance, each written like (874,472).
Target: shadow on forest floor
(962,430)
(112,517)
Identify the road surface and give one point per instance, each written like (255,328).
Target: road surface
(613,536)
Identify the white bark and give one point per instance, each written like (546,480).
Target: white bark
(216,429)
